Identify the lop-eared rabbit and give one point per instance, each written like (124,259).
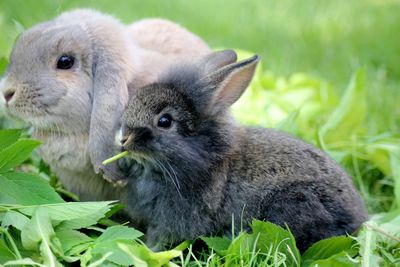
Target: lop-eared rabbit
(71,78)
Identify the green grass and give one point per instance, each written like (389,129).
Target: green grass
(310,50)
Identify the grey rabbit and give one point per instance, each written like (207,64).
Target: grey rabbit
(198,166)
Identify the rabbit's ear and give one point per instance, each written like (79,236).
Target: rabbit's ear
(227,84)
(110,95)
(219,59)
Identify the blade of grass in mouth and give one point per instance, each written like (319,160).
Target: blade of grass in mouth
(116,157)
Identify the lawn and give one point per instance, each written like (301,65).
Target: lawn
(330,74)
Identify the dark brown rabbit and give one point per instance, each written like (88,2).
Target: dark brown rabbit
(198,166)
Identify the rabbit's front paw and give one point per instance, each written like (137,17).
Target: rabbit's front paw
(113,175)
(130,167)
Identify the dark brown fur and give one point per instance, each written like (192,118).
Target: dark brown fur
(191,178)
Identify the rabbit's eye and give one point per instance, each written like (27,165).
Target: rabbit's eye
(165,121)
(65,62)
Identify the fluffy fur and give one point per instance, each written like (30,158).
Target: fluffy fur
(193,176)
(76,112)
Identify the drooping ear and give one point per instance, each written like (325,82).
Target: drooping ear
(110,95)
(219,59)
(224,86)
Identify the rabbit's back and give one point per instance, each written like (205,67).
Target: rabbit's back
(279,178)
(283,158)
(167,37)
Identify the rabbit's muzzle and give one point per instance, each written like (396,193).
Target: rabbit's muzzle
(25,102)
(137,138)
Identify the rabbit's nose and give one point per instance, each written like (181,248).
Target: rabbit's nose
(125,140)
(8,95)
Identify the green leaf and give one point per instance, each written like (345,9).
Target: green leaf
(340,259)
(347,119)
(8,137)
(71,238)
(114,209)
(266,239)
(38,234)
(118,256)
(73,215)
(385,154)
(119,232)
(79,249)
(144,257)
(5,253)
(26,189)
(15,219)
(16,153)
(282,241)
(218,244)
(327,248)
(107,242)
(242,244)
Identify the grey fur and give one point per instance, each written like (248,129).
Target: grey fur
(206,167)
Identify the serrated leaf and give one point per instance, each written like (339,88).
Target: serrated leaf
(72,238)
(16,153)
(73,215)
(114,209)
(8,137)
(38,234)
(107,242)
(119,232)
(16,219)
(218,244)
(26,189)
(327,248)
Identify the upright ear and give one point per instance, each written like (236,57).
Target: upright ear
(219,59)
(224,86)
(110,95)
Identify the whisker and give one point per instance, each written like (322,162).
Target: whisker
(167,173)
(174,173)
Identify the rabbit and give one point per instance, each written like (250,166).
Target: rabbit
(198,167)
(71,78)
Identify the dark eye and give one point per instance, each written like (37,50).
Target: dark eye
(65,62)
(165,121)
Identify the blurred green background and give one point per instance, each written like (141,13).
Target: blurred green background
(326,39)
(310,51)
